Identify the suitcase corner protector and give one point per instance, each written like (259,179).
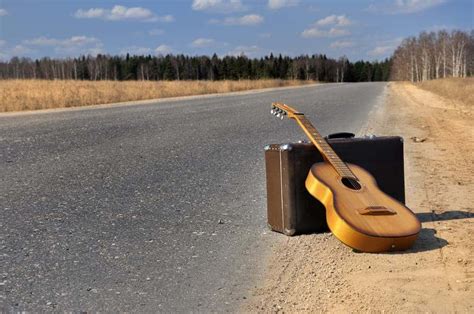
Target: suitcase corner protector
(289,232)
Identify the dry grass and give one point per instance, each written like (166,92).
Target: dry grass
(457,89)
(19,95)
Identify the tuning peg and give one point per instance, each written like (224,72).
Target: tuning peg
(272,111)
(281,117)
(278,115)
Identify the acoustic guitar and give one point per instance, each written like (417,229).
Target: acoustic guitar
(358,213)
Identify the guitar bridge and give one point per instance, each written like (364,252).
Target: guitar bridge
(376,211)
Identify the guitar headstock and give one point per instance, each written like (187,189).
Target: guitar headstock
(281,110)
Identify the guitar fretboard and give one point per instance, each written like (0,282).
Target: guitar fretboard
(324,148)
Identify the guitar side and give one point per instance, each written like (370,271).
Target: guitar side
(367,219)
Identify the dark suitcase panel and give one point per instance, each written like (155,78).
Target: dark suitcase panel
(381,156)
(292,210)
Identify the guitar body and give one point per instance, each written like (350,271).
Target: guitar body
(365,219)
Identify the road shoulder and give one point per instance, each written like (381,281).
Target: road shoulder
(317,273)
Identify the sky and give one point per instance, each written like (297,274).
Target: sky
(368,30)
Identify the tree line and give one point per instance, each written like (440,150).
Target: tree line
(181,67)
(434,55)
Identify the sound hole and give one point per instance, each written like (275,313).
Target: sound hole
(351,183)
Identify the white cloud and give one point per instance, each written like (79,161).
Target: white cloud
(165,18)
(3,12)
(90,14)
(442,27)
(404,6)
(330,26)
(80,41)
(94,51)
(202,42)
(135,50)
(315,32)
(265,35)
(380,50)
(42,41)
(218,6)
(385,48)
(336,32)
(74,41)
(121,13)
(249,51)
(341,44)
(246,20)
(69,46)
(278,4)
(338,20)
(156,32)
(163,50)
(19,50)
(15,51)
(412,6)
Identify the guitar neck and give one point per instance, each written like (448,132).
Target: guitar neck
(323,147)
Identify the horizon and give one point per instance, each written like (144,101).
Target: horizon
(365,30)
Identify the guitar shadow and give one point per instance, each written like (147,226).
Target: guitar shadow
(428,239)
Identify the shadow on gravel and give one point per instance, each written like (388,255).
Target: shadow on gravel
(427,241)
(448,215)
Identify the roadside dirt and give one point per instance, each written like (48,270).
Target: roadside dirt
(317,273)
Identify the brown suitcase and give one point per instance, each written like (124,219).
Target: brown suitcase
(292,210)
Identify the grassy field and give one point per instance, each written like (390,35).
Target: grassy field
(17,95)
(458,89)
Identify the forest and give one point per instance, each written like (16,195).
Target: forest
(429,56)
(434,55)
(316,67)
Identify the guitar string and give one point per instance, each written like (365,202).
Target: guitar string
(330,155)
(344,171)
(342,168)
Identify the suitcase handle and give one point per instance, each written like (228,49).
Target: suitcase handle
(340,135)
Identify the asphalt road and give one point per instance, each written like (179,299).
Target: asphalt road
(149,207)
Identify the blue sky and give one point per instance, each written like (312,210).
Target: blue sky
(357,29)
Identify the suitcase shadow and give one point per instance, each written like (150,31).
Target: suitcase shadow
(448,215)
